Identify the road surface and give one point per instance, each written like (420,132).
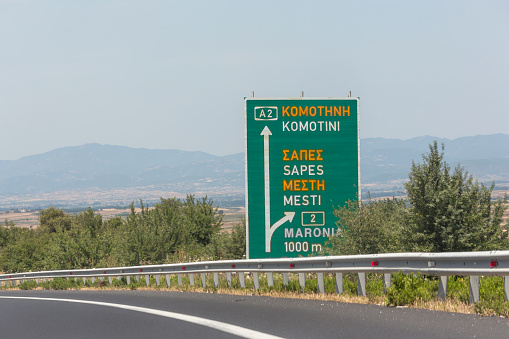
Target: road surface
(163,314)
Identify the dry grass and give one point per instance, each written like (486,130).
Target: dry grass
(449,305)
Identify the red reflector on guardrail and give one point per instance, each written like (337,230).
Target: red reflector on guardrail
(374,263)
(292,265)
(233,265)
(493,263)
(140,270)
(70,273)
(183,267)
(9,277)
(104,272)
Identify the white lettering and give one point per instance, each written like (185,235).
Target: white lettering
(288,232)
(307,232)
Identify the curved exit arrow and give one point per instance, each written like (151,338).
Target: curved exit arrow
(269,230)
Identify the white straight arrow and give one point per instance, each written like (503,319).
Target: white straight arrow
(269,231)
(266,175)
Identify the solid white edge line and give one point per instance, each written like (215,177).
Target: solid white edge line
(224,327)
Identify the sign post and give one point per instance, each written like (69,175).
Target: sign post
(302,160)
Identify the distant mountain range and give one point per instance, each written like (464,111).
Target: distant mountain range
(386,161)
(385,164)
(106,167)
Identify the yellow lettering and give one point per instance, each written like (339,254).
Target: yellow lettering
(305,152)
(285,111)
(285,155)
(337,110)
(287,185)
(295,155)
(293,111)
(303,111)
(346,110)
(319,155)
(328,110)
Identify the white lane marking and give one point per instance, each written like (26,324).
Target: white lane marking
(224,327)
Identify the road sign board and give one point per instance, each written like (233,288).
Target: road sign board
(302,160)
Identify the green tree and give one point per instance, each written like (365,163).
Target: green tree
(203,219)
(375,226)
(23,251)
(152,235)
(224,245)
(450,210)
(53,219)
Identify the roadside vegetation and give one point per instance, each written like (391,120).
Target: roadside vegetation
(418,291)
(173,230)
(446,210)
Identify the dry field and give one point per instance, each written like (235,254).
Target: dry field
(231,216)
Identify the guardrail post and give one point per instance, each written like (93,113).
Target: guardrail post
(302,282)
(147,280)
(179,279)
(506,288)
(191,279)
(321,283)
(203,280)
(256,281)
(286,279)
(216,279)
(110,280)
(386,282)
(84,281)
(242,280)
(93,280)
(270,279)
(137,278)
(361,284)
(158,280)
(102,279)
(442,287)
(128,278)
(339,283)
(229,279)
(168,281)
(474,289)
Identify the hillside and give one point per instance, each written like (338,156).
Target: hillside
(385,163)
(105,174)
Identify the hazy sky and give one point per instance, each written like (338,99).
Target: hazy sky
(173,74)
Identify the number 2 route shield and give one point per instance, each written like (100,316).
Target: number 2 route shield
(302,160)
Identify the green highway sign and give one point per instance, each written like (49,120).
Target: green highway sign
(302,160)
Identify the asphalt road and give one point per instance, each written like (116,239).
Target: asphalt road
(86,314)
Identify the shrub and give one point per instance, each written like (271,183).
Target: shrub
(408,288)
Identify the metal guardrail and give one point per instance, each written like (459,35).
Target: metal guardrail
(471,264)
